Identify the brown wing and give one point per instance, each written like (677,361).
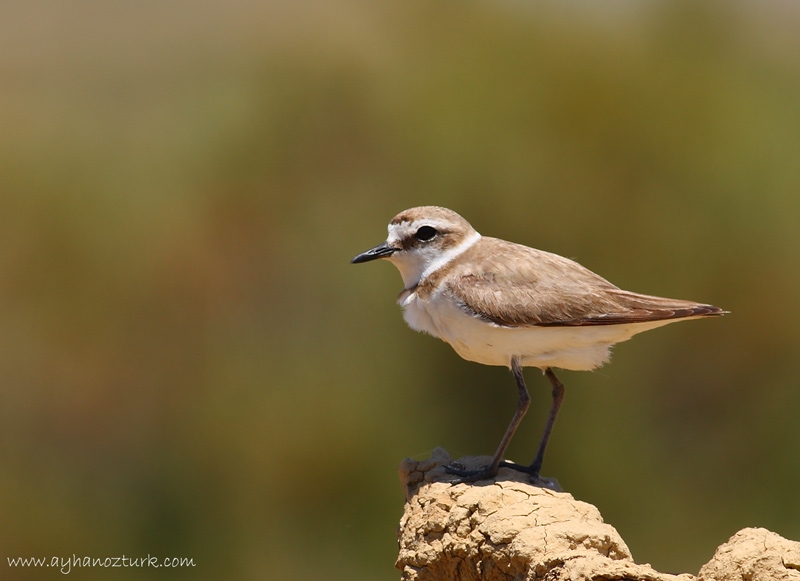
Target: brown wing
(514,286)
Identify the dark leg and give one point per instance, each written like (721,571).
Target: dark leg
(558,399)
(490,471)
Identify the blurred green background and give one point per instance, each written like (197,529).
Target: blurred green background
(190,366)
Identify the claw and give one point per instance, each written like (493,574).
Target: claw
(466,475)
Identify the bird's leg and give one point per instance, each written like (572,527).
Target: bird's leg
(490,470)
(558,399)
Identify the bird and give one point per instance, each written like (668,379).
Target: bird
(505,304)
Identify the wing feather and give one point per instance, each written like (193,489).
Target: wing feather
(517,286)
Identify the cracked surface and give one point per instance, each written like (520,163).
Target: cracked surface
(754,555)
(509,529)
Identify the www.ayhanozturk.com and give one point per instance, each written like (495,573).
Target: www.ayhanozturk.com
(67,564)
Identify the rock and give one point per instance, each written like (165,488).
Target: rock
(754,555)
(508,529)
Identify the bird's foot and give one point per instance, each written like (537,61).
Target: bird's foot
(533,473)
(532,470)
(470,475)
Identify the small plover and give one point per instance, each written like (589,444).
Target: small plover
(501,303)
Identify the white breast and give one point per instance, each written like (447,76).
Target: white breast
(416,314)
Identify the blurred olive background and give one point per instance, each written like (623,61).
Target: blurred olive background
(190,366)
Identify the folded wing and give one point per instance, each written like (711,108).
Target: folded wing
(516,286)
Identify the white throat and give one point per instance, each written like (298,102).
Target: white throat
(411,273)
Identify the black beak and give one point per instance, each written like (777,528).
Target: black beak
(380,251)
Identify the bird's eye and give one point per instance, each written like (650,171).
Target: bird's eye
(425,233)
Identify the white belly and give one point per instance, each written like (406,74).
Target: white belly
(577,348)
